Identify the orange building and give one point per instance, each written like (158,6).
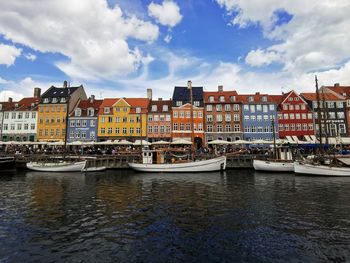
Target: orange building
(184,125)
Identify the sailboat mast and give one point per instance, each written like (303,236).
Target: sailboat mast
(189,85)
(325,117)
(66,121)
(319,115)
(274,138)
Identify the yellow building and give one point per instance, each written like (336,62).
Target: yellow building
(52,111)
(121,119)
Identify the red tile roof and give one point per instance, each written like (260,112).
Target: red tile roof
(326,96)
(133,102)
(258,97)
(28,104)
(84,105)
(160,104)
(218,94)
(342,90)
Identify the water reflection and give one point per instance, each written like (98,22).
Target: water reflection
(239,215)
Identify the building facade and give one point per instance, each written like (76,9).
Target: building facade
(159,120)
(295,116)
(123,118)
(259,114)
(83,122)
(52,113)
(223,115)
(184,125)
(20,119)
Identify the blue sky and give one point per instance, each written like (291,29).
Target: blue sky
(121,47)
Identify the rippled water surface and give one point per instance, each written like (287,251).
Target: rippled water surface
(121,216)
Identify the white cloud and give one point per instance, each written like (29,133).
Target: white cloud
(260,57)
(314,39)
(30,56)
(91,35)
(8,54)
(167,13)
(168,38)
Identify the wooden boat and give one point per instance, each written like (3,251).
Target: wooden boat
(63,166)
(7,163)
(211,165)
(320,169)
(273,166)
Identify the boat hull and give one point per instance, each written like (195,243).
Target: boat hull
(94,169)
(7,163)
(56,167)
(210,165)
(320,170)
(271,166)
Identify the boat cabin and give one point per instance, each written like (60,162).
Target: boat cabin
(153,157)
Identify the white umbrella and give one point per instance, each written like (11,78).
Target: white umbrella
(12,142)
(123,142)
(181,141)
(160,143)
(240,142)
(58,143)
(261,142)
(222,142)
(76,143)
(281,141)
(138,142)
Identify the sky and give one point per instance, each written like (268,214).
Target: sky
(119,48)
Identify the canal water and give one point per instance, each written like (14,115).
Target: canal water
(122,216)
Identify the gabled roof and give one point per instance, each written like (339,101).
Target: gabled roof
(133,102)
(8,106)
(28,104)
(217,94)
(258,98)
(107,103)
(342,90)
(310,96)
(84,105)
(183,94)
(56,92)
(186,105)
(159,104)
(286,95)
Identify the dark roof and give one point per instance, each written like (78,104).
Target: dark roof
(55,92)
(30,104)
(84,105)
(160,104)
(183,94)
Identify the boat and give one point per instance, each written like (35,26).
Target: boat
(94,169)
(273,166)
(63,166)
(282,161)
(320,169)
(184,166)
(7,163)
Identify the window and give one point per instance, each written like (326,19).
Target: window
(71,134)
(291,107)
(272,107)
(77,123)
(13,115)
(309,116)
(124,130)
(46,100)
(77,135)
(253,117)
(304,127)
(167,117)
(52,132)
(103,131)
(297,116)
(251,99)
(117,130)
(40,132)
(280,127)
(253,128)
(175,126)
(285,106)
(342,128)
(188,114)
(331,115)
(246,107)
(246,117)
(196,103)
(292,127)
(200,127)
(92,123)
(175,113)
(27,115)
(90,112)
(57,132)
(265,108)
(298,127)
(92,135)
(32,126)
(188,127)
(131,130)
(106,110)
(236,117)
(72,123)
(150,129)
(227,117)
(83,134)
(252,108)
(339,104)
(266,117)
(6,116)
(154,108)
(209,128)
(78,112)
(297,107)
(13,127)
(125,109)
(219,117)
(138,130)
(233,98)
(227,128)
(302,106)
(340,115)
(291,116)
(237,128)
(310,126)
(303,116)
(209,118)
(165,108)
(211,99)
(63,100)
(286,127)
(181,127)
(264,99)
(219,107)
(258,107)
(259,118)
(227,107)
(219,128)
(19,126)
(156,129)
(125,119)
(209,107)
(182,114)
(138,110)
(83,123)
(235,107)
(221,98)
(330,105)
(178,103)
(168,128)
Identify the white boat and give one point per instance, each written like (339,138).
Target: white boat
(211,165)
(63,166)
(273,166)
(320,170)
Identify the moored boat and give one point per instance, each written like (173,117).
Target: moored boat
(63,166)
(94,169)
(273,166)
(7,163)
(211,165)
(320,169)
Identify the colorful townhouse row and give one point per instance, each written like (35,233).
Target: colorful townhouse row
(217,115)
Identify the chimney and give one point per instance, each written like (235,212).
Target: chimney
(189,84)
(10,99)
(257,93)
(336,85)
(65,84)
(220,88)
(149,94)
(92,98)
(160,99)
(37,92)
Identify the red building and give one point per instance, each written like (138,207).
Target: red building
(295,117)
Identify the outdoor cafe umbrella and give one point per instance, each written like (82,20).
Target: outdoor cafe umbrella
(160,143)
(181,141)
(220,142)
(240,142)
(138,143)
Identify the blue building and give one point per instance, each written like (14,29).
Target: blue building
(258,113)
(82,122)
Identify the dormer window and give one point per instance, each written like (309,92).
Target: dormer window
(54,100)
(106,110)
(179,103)
(138,110)
(16,105)
(264,99)
(90,112)
(344,94)
(32,105)
(78,112)
(165,108)
(211,98)
(221,98)
(154,107)
(63,100)
(251,99)
(46,100)
(196,103)
(233,98)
